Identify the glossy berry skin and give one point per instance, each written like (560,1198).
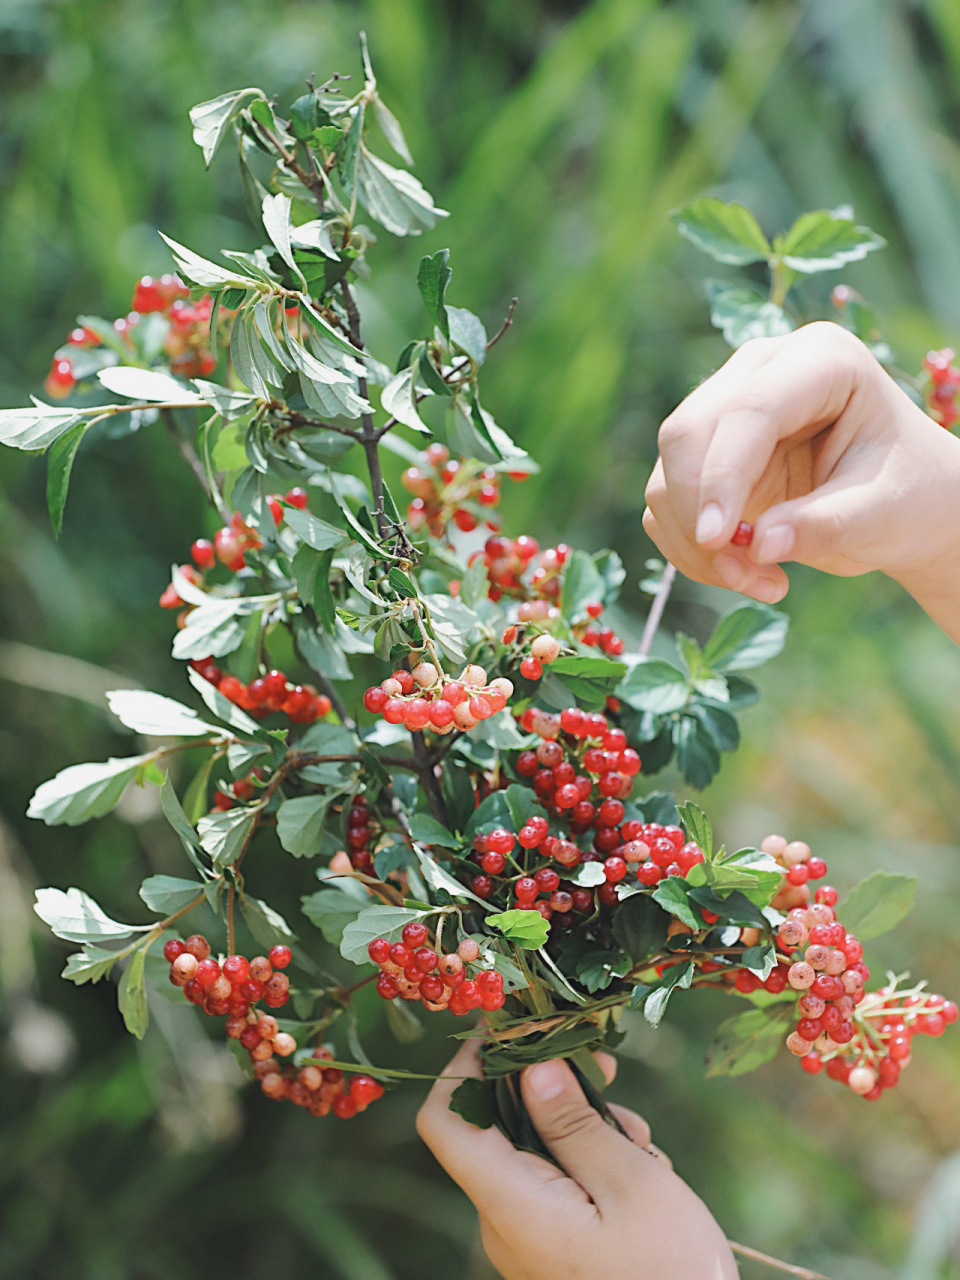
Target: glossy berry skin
(280,956)
(743,534)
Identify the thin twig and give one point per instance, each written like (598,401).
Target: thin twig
(804,1273)
(506,324)
(231,942)
(656,609)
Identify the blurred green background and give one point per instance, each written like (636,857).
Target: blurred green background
(559,134)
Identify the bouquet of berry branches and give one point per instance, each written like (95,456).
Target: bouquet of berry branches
(433,711)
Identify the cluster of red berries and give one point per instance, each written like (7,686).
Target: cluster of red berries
(508,563)
(943,387)
(425,699)
(445,489)
(604,638)
(230,545)
(414,971)
(186,343)
(544,650)
(230,988)
(359,835)
(238,792)
(824,964)
(317,1088)
(800,868)
(267,694)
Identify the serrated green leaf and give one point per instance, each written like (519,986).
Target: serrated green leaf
(698,826)
(89,965)
(656,1000)
(474,1100)
(728,232)
(824,240)
(654,685)
(526,928)
(878,903)
(746,637)
(743,314)
(673,895)
(746,1042)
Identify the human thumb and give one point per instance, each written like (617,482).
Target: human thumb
(832,521)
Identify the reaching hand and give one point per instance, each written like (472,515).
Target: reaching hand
(614,1208)
(812,442)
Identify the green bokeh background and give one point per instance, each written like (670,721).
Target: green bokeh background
(559,135)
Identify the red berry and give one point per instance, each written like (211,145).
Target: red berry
(482,886)
(526,889)
(172,949)
(743,534)
(236,969)
(531,668)
(280,956)
(297,497)
(387,987)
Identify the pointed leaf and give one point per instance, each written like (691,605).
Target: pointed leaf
(75,916)
(728,232)
(84,791)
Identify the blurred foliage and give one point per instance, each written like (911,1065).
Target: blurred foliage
(137,1161)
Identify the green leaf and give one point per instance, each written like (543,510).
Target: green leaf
(84,791)
(375,922)
(75,917)
(597,969)
(728,232)
(167,894)
(211,630)
(200,271)
(467,333)
(824,240)
(698,826)
(433,277)
(89,965)
(223,835)
(402,585)
(747,637)
(734,908)
(331,910)
(760,960)
(399,399)
(428,830)
(311,530)
(526,928)
(588,875)
(391,130)
(474,1100)
(59,466)
(147,384)
(132,995)
(222,707)
(211,119)
(743,314)
(277,224)
(673,895)
(153,714)
(654,685)
(878,903)
(656,1000)
(300,824)
(745,1042)
(718,724)
(582,584)
(37,427)
(393,197)
(697,754)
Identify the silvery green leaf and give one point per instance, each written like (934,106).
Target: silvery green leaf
(74,916)
(211,630)
(394,197)
(222,707)
(206,274)
(399,399)
(37,427)
(146,384)
(151,713)
(277,224)
(223,835)
(84,791)
(211,119)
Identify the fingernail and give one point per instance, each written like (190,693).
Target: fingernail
(733,571)
(546,1080)
(775,544)
(710,522)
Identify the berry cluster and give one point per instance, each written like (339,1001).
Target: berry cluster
(425,699)
(238,792)
(230,988)
(801,868)
(509,562)
(604,638)
(317,1088)
(544,650)
(445,489)
(359,835)
(943,387)
(414,971)
(268,693)
(186,344)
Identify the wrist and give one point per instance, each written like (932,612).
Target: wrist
(935,585)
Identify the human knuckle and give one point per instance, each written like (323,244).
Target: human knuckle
(675,428)
(573,1124)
